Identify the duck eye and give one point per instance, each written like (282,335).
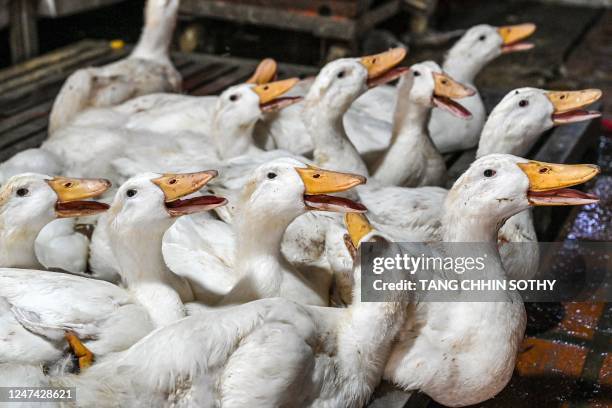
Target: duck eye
(416,73)
(482,37)
(523,103)
(22,192)
(131,193)
(271,175)
(489,173)
(341,74)
(234,98)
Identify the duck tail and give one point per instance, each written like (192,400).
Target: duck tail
(160,20)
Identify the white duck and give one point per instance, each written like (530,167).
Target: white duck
(412,159)
(441,351)
(271,352)
(28,202)
(167,112)
(229,266)
(330,95)
(92,149)
(148,69)
(513,127)
(478,46)
(38,307)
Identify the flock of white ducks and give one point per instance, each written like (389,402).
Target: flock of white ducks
(241,286)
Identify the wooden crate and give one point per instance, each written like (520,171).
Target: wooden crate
(341,20)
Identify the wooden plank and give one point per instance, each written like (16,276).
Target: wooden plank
(23,30)
(203,75)
(24,131)
(232,76)
(327,27)
(342,8)
(43,60)
(51,72)
(38,111)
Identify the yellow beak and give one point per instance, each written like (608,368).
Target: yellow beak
(318,181)
(269,92)
(74,189)
(448,87)
(265,72)
(379,64)
(548,182)
(175,186)
(512,34)
(358,226)
(567,105)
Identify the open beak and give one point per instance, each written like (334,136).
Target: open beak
(513,35)
(71,193)
(382,67)
(270,99)
(177,186)
(446,89)
(548,183)
(318,182)
(567,105)
(358,226)
(265,72)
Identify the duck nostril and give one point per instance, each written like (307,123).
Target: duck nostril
(562,97)
(68,185)
(316,176)
(173,181)
(544,170)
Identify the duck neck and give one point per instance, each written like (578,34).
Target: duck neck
(457,226)
(260,262)
(144,272)
(412,158)
(156,36)
(461,66)
(260,236)
(332,148)
(233,139)
(17,244)
(371,330)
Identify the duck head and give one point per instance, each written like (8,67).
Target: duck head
(524,114)
(483,43)
(30,201)
(239,108)
(153,201)
(280,191)
(244,104)
(428,86)
(29,197)
(342,81)
(498,186)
